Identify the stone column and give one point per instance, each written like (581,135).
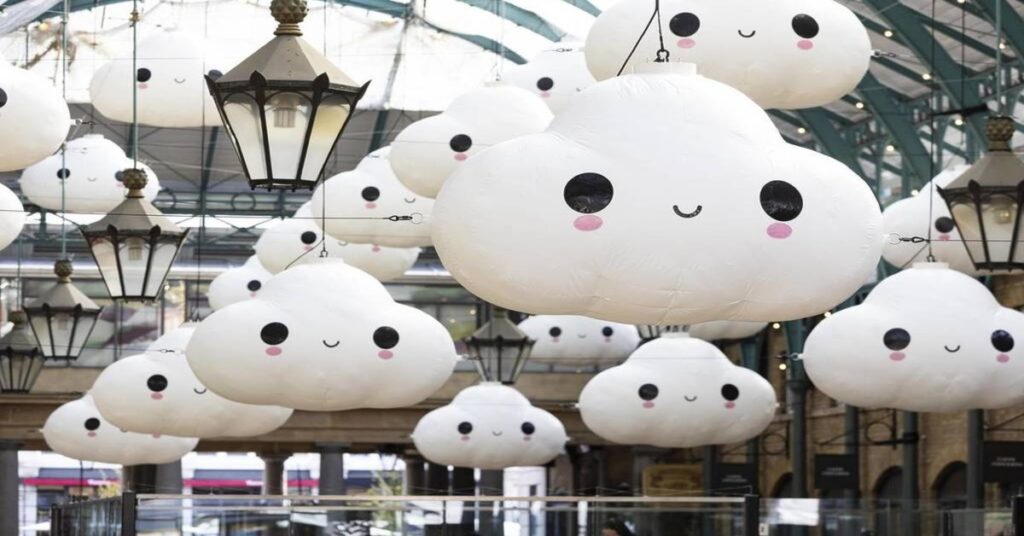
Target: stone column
(414,480)
(332,478)
(492,517)
(9,514)
(464,484)
(437,484)
(273,472)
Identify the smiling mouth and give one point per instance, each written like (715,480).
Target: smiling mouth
(690,398)
(681,214)
(410,201)
(198,392)
(952,350)
(335,345)
(91,179)
(497,434)
(746,36)
(581,335)
(177,81)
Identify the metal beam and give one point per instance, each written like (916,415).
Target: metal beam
(520,17)
(828,136)
(886,108)
(584,5)
(1012,23)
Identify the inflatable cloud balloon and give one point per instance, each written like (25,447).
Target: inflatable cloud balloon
(12,216)
(578,340)
(926,339)
(157,393)
(677,392)
(708,215)
(359,203)
(322,337)
(908,218)
(725,330)
(556,74)
(90,170)
(788,54)
(172,90)
(489,426)
(77,430)
(383,263)
(429,150)
(237,284)
(34,119)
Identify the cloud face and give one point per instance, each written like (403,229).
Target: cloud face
(157,392)
(926,339)
(578,340)
(90,172)
(725,330)
(677,392)
(670,227)
(429,150)
(788,54)
(172,90)
(909,218)
(489,426)
(359,203)
(237,284)
(555,75)
(322,337)
(77,430)
(34,119)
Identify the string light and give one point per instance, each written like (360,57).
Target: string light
(802,130)
(859,105)
(926,76)
(887,33)
(776,325)
(890,148)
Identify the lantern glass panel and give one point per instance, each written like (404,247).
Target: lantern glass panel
(18,372)
(106,260)
(995,230)
(243,118)
(287,116)
(163,254)
(331,116)
(62,334)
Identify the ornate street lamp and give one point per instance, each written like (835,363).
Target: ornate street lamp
(985,202)
(135,245)
(63,317)
(499,349)
(285,106)
(649,332)
(20,358)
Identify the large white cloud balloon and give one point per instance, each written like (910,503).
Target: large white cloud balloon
(89,171)
(359,203)
(34,119)
(677,392)
(489,426)
(77,430)
(579,340)
(556,74)
(926,339)
(169,76)
(909,218)
(237,284)
(725,330)
(702,213)
(12,216)
(156,392)
(426,152)
(787,54)
(322,337)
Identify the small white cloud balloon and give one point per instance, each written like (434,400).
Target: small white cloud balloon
(709,215)
(788,54)
(677,392)
(426,152)
(237,284)
(169,76)
(157,392)
(927,339)
(12,216)
(489,426)
(909,218)
(322,337)
(34,119)
(359,203)
(556,75)
(77,430)
(90,171)
(579,340)
(725,330)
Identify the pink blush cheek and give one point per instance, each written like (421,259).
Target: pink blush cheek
(648,405)
(588,223)
(1003,358)
(375,249)
(385,354)
(273,351)
(897,356)
(371,205)
(554,339)
(545,94)
(526,438)
(805,44)
(730,405)
(91,434)
(779,230)
(686,42)
(465,438)
(156,436)
(156,396)
(461,157)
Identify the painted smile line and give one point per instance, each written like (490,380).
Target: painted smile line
(335,345)
(177,81)
(497,434)
(690,398)
(952,350)
(681,214)
(198,392)
(746,36)
(410,201)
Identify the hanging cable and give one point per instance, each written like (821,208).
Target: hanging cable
(932,144)
(1000,105)
(63,175)
(135,86)
(663,53)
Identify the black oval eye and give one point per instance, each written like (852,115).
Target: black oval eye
(528,428)
(545,84)
(944,224)
(92,423)
(63,173)
(143,74)
(254,285)
(588,193)
(730,392)
(648,391)
(119,176)
(214,74)
(274,333)
(555,331)
(460,143)
(805,26)
(371,193)
(607,331)
(1002,340)
(465,428)
(156,383)
(781,201)
(896,339)
(385,337)
(684,24)
(308,237)
(3,98)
